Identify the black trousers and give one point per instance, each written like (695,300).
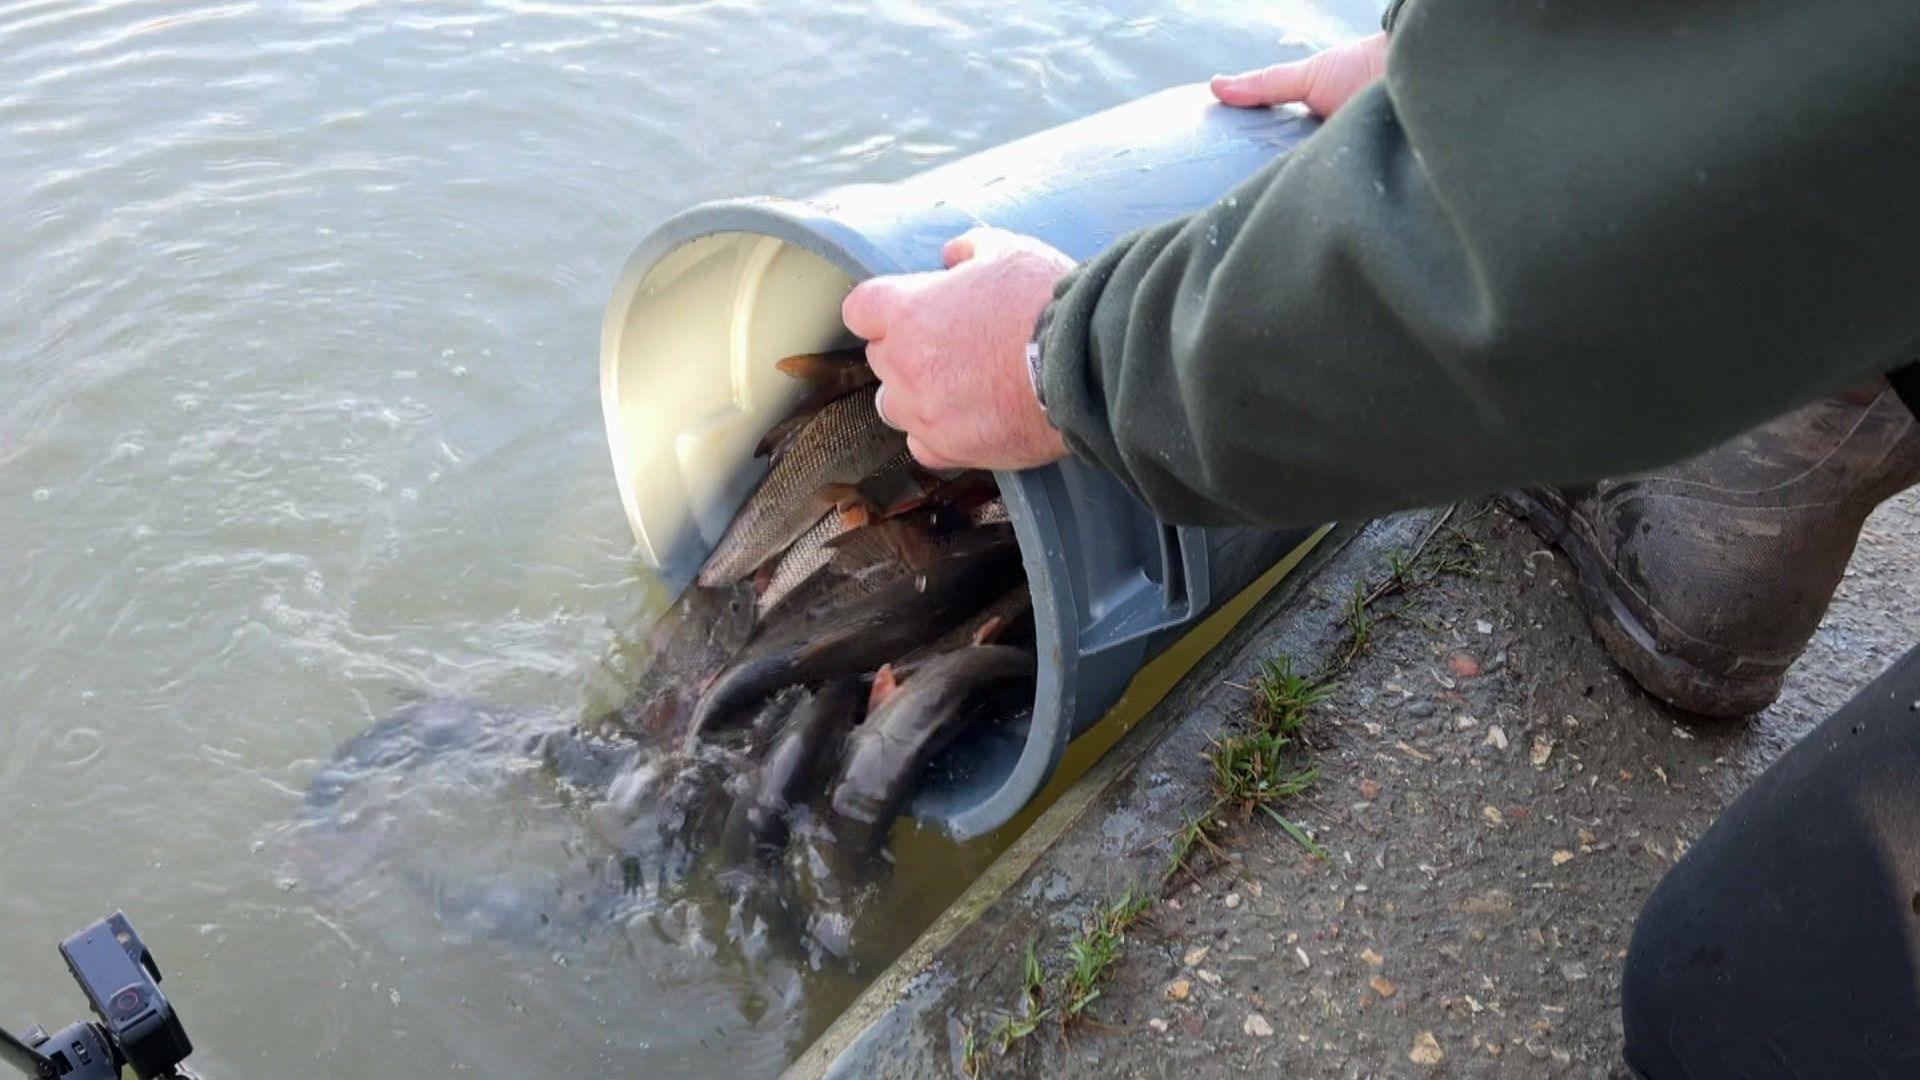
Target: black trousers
(1787,942)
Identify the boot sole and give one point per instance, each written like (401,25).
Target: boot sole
(1673,679)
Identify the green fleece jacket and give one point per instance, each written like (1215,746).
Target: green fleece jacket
(1562,239)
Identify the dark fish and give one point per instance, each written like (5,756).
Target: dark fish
(869,629)
(945,697)
(843,444)
(779,438)
(795,771)
(985,628)
(683,651)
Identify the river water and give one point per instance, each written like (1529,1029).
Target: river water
(299,307)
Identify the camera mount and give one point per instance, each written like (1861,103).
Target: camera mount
(137,1026)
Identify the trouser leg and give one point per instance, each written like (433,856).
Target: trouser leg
(1786,943)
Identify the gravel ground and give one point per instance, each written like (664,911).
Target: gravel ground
(1497,800)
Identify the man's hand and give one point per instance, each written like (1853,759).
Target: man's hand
(1322,82)
(950,348)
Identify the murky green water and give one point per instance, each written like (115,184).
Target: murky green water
(299,422)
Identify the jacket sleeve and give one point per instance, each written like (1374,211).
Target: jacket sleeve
(1560,240)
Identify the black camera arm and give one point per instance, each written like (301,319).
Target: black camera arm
(137,1026)
(29,1061)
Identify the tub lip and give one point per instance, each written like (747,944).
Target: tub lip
(790,221)
(809,225)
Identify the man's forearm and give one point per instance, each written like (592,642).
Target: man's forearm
(1556,244)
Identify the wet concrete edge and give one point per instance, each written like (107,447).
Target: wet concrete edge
(1105,832)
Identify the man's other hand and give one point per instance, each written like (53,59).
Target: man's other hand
(950,348)
(1322,82)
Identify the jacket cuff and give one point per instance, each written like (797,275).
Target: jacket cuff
(1069,380)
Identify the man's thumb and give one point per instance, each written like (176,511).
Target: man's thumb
(975,242)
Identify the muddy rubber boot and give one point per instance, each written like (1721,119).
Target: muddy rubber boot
(1706,579)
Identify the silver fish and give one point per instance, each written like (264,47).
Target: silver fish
(843,444)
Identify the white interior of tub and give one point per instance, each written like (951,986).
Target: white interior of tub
(688,382)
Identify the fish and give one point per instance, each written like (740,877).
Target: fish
(986,627)
(941,700)
(808,556)
(801,762)
(857,506)
(684,650)
(832,374)
(871,626)
(991,512)
(894,488)
(843,444)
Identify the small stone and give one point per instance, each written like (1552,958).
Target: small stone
(1254,888)
(1382,987)
(1257,1026)
(1372,958)
(1542,750)
(1232,901)
(1464,665)
(1419,708)
(1208,977)
(1492,815)
(1177,990)
(1496,737)
(1482,626)
(1493,904)
(1426,1050)
(1302,954)
(1573,971)
(1196,955)
(1465,723)
(1562,858)
(1158,1025)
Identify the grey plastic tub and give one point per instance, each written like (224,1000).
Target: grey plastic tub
(715,295)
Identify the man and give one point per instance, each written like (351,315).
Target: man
(1538,243)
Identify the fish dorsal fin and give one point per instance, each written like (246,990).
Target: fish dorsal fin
(900,540)
(885,685)
(836,368)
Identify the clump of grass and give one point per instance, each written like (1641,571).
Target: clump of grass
(1359,623)
(1092,956)
(972,1058)
(1284,697)
(1197,833)
(1033,978)
(1032,1013)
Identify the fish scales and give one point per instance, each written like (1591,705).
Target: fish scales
(808,556)
(843,444)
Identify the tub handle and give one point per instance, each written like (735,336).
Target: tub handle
(1183,592)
